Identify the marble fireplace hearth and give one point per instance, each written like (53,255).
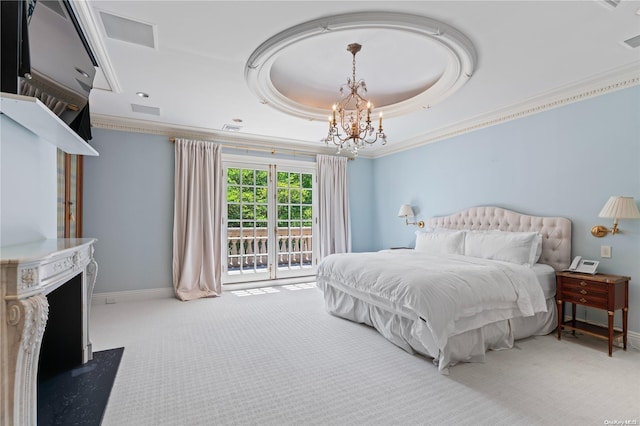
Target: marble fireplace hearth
(45,295)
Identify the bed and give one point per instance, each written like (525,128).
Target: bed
(477,280)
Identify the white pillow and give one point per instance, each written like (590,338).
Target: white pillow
(523,248)
(440,242)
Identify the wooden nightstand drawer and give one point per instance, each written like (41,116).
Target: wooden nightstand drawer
(572,285)
(591,300)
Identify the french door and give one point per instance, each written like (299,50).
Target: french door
(270,220)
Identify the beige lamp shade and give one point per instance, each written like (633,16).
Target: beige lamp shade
(618,207)
(405,211)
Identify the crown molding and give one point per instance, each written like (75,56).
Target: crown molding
(228,139)
(611,81)
(614,80)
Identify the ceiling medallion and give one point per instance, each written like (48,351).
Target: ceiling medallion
(355,131)
(294,71)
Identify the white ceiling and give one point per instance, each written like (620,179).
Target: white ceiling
(530,56)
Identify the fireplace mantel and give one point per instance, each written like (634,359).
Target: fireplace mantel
(29,273)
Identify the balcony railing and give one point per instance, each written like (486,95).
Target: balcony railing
(247,249)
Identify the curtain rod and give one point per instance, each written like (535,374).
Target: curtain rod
(271,150)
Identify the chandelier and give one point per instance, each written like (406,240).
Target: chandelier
(353,131)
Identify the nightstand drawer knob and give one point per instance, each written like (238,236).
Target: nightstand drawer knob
(583,291)
(583,300)
(582,283)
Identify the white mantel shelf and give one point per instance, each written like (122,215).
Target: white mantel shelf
(22,253)
(29,273)
(34,116)
(44,265)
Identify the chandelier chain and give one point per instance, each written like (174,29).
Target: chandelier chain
(354,69)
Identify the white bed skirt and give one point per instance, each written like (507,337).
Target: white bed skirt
(413,335)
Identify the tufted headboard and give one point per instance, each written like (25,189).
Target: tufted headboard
(555,231)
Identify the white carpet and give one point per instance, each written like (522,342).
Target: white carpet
(279,358)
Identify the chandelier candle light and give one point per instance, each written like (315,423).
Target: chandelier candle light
(354,132)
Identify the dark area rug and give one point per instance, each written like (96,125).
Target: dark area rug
(79,396)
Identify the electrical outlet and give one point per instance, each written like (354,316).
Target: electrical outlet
(605,251)
(110,300)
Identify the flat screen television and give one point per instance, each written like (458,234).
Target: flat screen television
(45,55)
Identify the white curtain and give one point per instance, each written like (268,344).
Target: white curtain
(197,220)
(333,190)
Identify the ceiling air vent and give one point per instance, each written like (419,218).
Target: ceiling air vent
(633,41)
(128,30)
(231,128)
(143,109)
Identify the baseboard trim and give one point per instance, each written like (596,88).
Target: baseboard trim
(132,296)
(633,338)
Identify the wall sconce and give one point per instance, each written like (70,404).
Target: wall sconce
(616,208)
(406,211)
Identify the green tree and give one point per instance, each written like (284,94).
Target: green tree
(247,198)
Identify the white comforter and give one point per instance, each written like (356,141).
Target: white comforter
(451,294)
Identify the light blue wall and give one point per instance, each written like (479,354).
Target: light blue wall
(128,207)
(361,197)
(562,162)
(28,191)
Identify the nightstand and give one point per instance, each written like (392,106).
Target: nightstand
(600,291)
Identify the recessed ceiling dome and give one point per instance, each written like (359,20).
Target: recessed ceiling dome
(409,62)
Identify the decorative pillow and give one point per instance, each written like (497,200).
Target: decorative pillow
(440,242)
(523,248)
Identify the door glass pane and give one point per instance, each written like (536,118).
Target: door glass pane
(261,195)
(247,212)
(294,204)
(262,178)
